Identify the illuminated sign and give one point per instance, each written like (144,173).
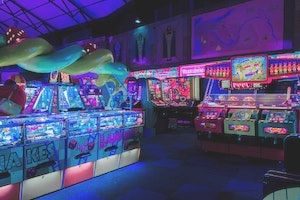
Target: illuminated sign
(249,69)
(192,70)
(275,130)
(156,73)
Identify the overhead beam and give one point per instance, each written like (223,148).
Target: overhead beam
(81,10)
(18,18)
(46,24)
(66,13)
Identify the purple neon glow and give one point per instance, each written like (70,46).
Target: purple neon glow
(113,138)
(254,26)
(54,13)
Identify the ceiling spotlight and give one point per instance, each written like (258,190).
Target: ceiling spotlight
(137,21)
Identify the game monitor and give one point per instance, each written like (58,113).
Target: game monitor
(176,91)
(69,98)
(155,93)
(43,103)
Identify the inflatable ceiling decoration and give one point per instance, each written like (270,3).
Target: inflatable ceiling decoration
(37,55)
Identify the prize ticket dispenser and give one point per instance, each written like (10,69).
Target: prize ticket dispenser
(11,153)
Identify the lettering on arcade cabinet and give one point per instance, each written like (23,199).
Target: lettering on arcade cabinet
(9,162)
(40,153)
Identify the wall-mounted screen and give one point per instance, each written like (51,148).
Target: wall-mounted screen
(250,69)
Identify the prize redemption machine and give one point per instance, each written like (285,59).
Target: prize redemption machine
(110,141)
(82,128)
(132,133)
(44,156)
(278,119)
(11,154)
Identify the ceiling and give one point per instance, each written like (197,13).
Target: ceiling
(39,17)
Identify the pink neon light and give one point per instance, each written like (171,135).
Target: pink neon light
(10,192)
(78,173)
(192,70)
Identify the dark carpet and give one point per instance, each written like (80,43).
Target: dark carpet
(173,168)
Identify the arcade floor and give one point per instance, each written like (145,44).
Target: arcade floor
(172,168)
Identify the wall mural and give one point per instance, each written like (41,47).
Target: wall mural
(255,26)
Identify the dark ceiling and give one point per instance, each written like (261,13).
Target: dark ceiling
(63,21)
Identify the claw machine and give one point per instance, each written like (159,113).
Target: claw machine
(44,156)
(81,147)
(110,141)
(133,130)
(11,155)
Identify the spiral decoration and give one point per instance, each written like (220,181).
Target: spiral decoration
(37,55)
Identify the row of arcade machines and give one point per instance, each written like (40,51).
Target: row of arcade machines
(169,104)
(62,139)
(252,118)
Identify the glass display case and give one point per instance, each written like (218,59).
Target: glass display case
(110,120)
(10,135)
(81,125)
(44,130)
(133,118)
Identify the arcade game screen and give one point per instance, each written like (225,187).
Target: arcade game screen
(176,90)
(249,69)
(134,90)
(44,100)
(69,98)
(91,94)
(154,89)
(30,93)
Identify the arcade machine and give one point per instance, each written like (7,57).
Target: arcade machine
(210,118)
(278,117)
(134,92)
(152,103)
(110,141)
(133,130)
(11,154)
(81,147)
(156,106)
(177,94)
(44,156)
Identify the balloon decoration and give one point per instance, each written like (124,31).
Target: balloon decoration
(37,55)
